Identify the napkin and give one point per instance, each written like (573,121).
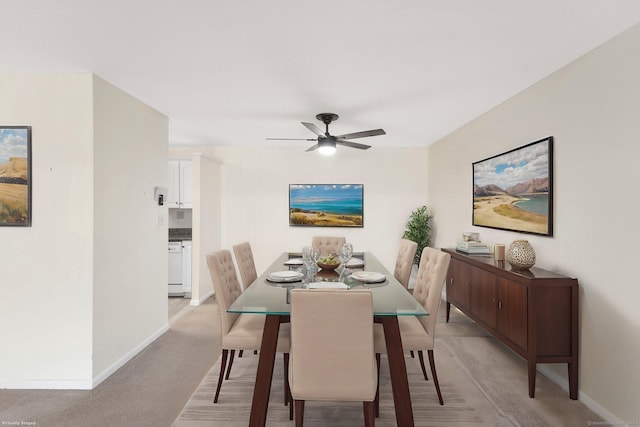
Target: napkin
(328,285)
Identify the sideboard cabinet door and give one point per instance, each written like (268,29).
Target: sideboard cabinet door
(458,284)
(483,296)
(512,312)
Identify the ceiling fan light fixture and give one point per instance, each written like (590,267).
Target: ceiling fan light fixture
(326,142)
(327,148)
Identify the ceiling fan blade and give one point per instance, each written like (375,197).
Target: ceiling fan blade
(291,139)
(352,144)
(313,128)
(313,147)
(362,134)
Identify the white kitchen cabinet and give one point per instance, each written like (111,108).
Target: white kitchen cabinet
(180,191)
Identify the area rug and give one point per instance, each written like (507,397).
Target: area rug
(464,403)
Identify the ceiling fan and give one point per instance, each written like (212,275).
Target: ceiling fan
(326,142)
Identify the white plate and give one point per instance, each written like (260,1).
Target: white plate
(328,285)
(355,262)
(285,276)
(368,276)
(294,261)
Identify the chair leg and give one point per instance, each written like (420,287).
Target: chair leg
(240,353)
(299,412)
(434,375)
(413,356)
(424,371)
(223,364)
(233,353)
(377,399)
(369,414)
(285,357)
(290,406)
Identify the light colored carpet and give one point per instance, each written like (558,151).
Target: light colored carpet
(483,383)
(149,391)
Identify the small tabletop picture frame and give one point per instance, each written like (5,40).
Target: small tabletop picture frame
(15,176)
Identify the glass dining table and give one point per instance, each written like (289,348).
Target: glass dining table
(390,300)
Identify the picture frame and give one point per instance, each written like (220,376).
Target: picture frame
(15,176)
(326,205)
(513,191)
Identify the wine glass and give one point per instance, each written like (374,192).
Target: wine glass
(309,262)
(346,252)
(315,254)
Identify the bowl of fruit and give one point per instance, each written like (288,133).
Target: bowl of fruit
(329,262)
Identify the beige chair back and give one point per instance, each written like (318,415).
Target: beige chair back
(327,245)
(225,284)
(332,345)
(432,273)
(404,261)
(246,266)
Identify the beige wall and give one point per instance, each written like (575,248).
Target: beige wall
(47,269)
(130,243)
(591,108)
(255,190)
(208,219)
(78,293)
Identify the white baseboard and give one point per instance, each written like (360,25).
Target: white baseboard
(46,385)
(83,384)
(128,356)
(202,299)
(610,419)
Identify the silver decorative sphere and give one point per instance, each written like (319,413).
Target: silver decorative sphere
(521,255)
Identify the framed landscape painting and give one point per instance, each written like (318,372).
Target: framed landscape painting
(326,205)
(514,190)
(15,175)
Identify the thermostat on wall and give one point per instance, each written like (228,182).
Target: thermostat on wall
(159,193)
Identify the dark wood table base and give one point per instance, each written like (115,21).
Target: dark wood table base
(397,370)
(262,388)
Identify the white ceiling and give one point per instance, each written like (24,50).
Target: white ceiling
(232,72)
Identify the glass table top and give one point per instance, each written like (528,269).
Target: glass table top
(390,298)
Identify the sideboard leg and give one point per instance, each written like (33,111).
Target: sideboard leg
(448,310)
(573,380)
(532,379)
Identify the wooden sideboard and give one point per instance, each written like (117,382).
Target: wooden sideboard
(534,312)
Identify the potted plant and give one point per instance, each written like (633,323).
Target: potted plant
(418,229)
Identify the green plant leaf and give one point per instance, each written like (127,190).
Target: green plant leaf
(418,229)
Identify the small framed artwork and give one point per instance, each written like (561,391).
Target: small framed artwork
(15,176)
(326,205)
(514,190)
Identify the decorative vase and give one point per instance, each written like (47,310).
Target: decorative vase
(521,255)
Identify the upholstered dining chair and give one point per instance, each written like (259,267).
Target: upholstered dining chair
(327,245)
(419,332)
(404,261)
(332,355)
(246,266)
(239,331)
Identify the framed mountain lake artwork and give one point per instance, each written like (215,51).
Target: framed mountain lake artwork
(326,205)
(15,176)
(514,190)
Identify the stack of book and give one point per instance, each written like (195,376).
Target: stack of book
(473,248)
